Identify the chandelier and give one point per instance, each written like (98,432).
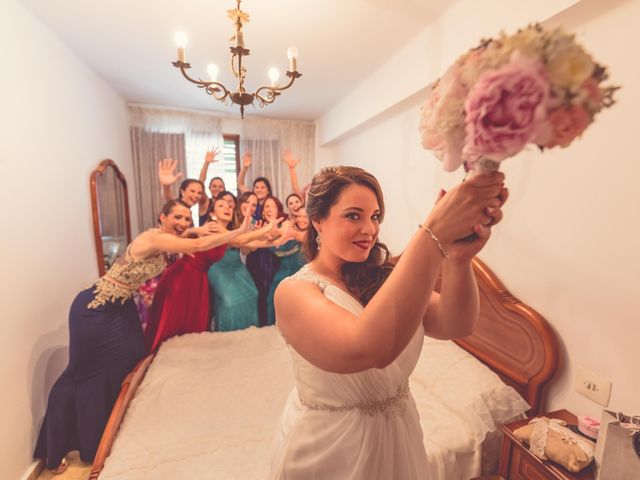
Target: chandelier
(264,95)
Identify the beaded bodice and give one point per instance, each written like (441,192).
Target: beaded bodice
(124,277)
(306,274)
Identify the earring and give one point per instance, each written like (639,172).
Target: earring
(318,240)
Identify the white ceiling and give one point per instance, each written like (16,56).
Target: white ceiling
(340,42)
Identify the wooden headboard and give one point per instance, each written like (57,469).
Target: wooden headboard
(513,340)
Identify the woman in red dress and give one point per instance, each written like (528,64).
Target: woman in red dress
(181,301)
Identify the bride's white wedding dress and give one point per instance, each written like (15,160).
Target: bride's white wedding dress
(359,426)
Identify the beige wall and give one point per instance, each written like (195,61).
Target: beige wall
(568,245)
(58,121)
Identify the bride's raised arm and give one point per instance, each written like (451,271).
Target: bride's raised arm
(333,338)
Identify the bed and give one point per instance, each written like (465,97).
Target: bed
(207,405)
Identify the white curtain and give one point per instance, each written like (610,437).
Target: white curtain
(165,120)
(147,148)
(266,139)
(158,133)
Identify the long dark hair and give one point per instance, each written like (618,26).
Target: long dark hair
(217,178)
(186,183)
(362,279)
(279,206)
(221,196)
(237,213)
(286,201)
(266,181)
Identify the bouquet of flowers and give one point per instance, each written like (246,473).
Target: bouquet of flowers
(534,87)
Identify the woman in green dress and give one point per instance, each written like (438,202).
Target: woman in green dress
(235,296)
(291,258)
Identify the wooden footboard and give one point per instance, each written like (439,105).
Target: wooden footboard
(127,392)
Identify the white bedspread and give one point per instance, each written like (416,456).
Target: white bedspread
(210,403)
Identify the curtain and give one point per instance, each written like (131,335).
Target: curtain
(266,139)
(158,133)
(148,148)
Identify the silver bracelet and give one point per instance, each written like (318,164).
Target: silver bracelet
(435,239)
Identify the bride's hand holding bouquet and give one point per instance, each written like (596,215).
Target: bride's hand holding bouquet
(471,207)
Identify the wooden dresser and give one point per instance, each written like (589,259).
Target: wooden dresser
(518,463)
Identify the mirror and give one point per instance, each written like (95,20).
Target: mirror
(110,207)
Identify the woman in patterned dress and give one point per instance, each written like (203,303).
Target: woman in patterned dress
(105,338)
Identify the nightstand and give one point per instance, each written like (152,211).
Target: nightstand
(518,463)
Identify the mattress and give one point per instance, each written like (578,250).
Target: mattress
(210,403)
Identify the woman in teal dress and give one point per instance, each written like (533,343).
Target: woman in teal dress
(235,296)
(291,258)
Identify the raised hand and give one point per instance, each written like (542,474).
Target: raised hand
(210,156)
(466,248)
(246,160)
(166,172)
(289,159)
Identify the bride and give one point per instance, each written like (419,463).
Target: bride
(354,320)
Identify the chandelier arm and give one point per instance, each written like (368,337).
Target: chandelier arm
(272,91)
(215,89)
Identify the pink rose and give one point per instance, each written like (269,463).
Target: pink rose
(566,124)
(504,110)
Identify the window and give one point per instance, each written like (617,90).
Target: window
(226,166)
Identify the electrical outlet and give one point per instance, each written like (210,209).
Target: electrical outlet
(592,386)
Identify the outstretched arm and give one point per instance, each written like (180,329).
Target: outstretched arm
(151,242)
(246,163)
(167,177)
(291,162)
(255,235)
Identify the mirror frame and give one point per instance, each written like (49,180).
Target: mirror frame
(97,232)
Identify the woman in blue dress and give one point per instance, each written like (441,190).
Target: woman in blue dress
(106,340)
(235,297)
(291,258)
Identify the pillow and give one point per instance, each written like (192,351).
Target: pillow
(460,399)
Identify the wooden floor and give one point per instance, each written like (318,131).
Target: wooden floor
(77,470)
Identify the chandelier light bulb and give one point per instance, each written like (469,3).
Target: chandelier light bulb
(181,39)
(292,53)
(274,74)
(213,70)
